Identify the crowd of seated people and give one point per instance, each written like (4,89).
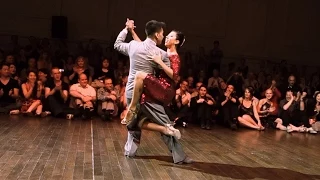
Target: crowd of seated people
(37,80)
(244,102)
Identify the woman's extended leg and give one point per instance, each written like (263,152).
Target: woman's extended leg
(137,91)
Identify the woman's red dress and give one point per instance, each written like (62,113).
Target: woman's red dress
(161,89)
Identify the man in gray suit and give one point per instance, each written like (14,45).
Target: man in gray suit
(140,54)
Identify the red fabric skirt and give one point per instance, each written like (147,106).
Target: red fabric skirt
(159,90)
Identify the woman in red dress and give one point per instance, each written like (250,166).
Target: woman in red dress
(159,89)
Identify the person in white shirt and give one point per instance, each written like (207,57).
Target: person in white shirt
(182,99)
(85,96)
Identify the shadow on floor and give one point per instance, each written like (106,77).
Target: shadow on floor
(235,171)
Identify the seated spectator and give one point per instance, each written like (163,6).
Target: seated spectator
(251,81)
(249,116)
(121,89)
(43,75)
(313,109)
(21,62)
(202,77)
(31,91)
(292,111)
(119,71)
(182,100)
(275,91)
(44,61)
(84,96)
(268,111)
(197,89)
(291,85)
(9,92)
(216,85)
(56,94)
(203,107)
(228,103)
(237,81)
(122,96)
(102,73)
(68,69)
(190,81)
(177,80)
(13,72)
(10,59)
(80,68)
(32,66)
(107,97)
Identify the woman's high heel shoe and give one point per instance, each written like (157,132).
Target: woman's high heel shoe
(129,117)
(171,131)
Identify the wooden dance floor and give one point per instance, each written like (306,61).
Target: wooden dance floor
(34,148)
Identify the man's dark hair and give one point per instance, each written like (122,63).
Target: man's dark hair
(153,27)
(43,70)
(4,64)
(108,78)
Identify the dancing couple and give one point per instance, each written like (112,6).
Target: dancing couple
(153,92)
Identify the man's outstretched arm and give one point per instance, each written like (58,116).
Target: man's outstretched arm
(120,44)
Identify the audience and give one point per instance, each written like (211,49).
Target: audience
(51,82)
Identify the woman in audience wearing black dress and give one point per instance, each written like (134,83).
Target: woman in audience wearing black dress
(249,116)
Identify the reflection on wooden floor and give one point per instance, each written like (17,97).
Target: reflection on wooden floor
(33,148)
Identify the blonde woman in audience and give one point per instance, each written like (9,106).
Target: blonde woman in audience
(80,68)
(249,116)
(31,91)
